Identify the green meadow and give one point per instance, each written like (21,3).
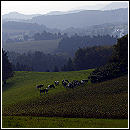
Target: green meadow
(22,86)
(101,105)
(60,122)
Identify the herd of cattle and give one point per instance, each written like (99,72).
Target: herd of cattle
(65,83)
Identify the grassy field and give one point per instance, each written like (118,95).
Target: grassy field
(46,46)
(22,86)
(59,122)
(21,99)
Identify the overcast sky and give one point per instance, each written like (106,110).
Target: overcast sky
(42,7)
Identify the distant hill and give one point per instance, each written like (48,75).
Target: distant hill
(17,16)
(104,6)
(115,5)
(61,12)
(11,29)
(82,18)
(13,25)
(55,13)
(24,26)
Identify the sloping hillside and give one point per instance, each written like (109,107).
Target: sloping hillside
(103,100)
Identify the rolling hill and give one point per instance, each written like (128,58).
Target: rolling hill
(15,28)
(17,16)
(82,18)
(103,100)
(23,106)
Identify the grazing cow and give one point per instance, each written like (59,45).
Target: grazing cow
(48,87)
(64,83)
(73,84)
(83,81)
(67,80)
(43,91)
(56,83)
(51,86)
(70,85)
(76,83)
(40,86)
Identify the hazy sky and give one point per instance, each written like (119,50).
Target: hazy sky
(42,7)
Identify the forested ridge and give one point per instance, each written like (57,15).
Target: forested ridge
(71,44)
(73,53)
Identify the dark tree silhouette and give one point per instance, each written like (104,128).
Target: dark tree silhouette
(91,57)
(6,67)
(56,69)
(120,54)
(117,66)
(69,66)
(36,61)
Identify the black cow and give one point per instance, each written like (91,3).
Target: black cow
(64,83)
(76,83)
(70,85)
(51,86)
(40,86)
(67,80)
(44,91)
(85,80)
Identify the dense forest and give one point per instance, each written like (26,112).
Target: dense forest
(71,44)
(36,61)
(88,58)
(85,58)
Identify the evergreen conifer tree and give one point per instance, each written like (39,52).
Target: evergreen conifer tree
(7,71)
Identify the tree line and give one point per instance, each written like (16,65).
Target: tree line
(85,58)
(88,58)
(36,61)
(36,36)
(46,36)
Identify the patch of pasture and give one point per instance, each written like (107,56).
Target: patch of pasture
(59,122)
(22,87)
(108,99)
(24,107)
(46,46)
